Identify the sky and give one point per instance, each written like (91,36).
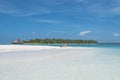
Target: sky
(68,19)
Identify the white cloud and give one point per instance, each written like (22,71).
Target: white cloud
(47,34)
(38,7)
(116,34)
(33,33)
(47,21)
(18,8)
(100,9)
(81,1)
(84,33)
(7,8)
(116,10)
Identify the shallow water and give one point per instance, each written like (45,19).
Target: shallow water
(61,64)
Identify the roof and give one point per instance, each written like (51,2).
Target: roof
(17,41)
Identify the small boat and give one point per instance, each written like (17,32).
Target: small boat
(17,41)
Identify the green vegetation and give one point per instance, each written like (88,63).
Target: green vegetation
(59,41)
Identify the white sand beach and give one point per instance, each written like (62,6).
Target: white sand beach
(6,48)
(19,62)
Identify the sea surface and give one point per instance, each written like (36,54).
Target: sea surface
(99,45)
(92,62)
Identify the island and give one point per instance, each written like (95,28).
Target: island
(59,41)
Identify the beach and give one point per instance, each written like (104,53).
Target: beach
(26,62)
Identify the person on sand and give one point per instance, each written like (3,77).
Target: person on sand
(65,45)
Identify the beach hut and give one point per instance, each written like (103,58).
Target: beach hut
(17,41)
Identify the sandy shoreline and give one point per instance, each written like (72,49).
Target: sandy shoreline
(5,48)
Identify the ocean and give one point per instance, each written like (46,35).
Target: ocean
(79,62)
(99,45)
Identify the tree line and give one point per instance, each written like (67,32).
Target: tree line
(59,41)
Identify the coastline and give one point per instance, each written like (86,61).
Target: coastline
(24,47)
(6,48)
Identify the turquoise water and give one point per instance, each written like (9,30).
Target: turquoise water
(100,45)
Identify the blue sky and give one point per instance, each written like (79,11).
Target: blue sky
(72,19)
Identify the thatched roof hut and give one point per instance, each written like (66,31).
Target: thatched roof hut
(17,41)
